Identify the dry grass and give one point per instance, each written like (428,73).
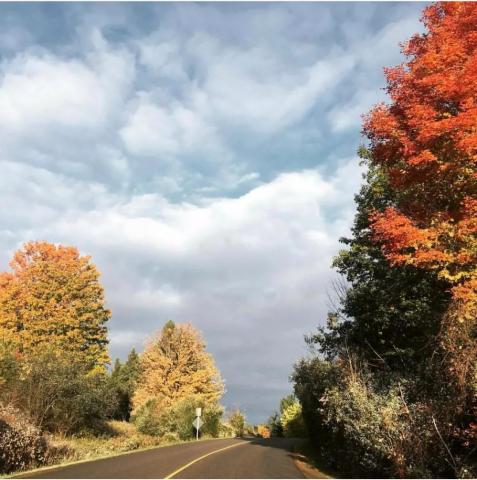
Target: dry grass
(119,438)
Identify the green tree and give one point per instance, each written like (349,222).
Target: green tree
(274,425)
(123,382)
(291,421)
(386,313)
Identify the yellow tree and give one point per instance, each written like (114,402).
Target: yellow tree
(52,298)
(175,365)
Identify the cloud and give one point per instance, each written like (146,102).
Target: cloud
(169,131)
(203,154)
(238,268)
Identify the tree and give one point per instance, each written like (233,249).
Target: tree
(52,297)
(274,425)
(291,420)
(426,141)
(387,313)
(394,394)
(175,365)
(237,421)
(285,402)
(123,382)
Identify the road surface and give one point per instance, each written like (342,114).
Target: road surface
(227,458)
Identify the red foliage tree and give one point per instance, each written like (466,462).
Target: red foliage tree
(426,141)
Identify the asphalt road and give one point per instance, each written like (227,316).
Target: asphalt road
(227,458)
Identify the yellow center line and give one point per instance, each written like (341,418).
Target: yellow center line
(179,470)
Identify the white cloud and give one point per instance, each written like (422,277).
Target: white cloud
(255,90)
(44,91)
(156,146)
(237,268)
(155,130)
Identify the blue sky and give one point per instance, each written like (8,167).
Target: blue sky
(203,154)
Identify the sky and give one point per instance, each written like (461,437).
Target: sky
(203,154)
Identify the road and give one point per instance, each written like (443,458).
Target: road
(226,458)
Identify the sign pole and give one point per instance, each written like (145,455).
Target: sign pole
(198,414)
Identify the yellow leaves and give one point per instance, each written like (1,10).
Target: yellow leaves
(175,365)
(53,297)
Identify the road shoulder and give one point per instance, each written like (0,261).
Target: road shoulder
(305,462)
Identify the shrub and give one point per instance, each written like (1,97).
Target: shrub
(153,418)
(21,444)
(170,437)
(225,430)
(62,395)
(147,419)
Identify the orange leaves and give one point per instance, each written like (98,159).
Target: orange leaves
(403,242)
(53,298)
(426,141)
(432,119)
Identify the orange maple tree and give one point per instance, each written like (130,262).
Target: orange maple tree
(425,139)
(52,299)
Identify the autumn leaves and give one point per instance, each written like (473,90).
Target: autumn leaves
(426,142)
(52,299)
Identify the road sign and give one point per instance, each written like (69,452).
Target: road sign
(198,412)
(198,423)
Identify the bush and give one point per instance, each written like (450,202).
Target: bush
(147,419)
(62,395)
(170,437)
(153,418)
(21,444)
(225,430)
(369,425)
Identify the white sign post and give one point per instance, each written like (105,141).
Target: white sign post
(197,422)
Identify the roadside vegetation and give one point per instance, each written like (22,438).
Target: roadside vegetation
(60,401)
(390,386)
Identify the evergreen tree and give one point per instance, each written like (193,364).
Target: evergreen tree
(123,381)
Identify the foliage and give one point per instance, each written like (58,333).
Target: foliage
(52,297)
(426,141)
(154,418)
(274,425)
(237,422)
(123,383)
(291,421)
(263,431)
(389,389)
(60,394)
(175,365)
(378,298)
(226,430)
(21,443)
